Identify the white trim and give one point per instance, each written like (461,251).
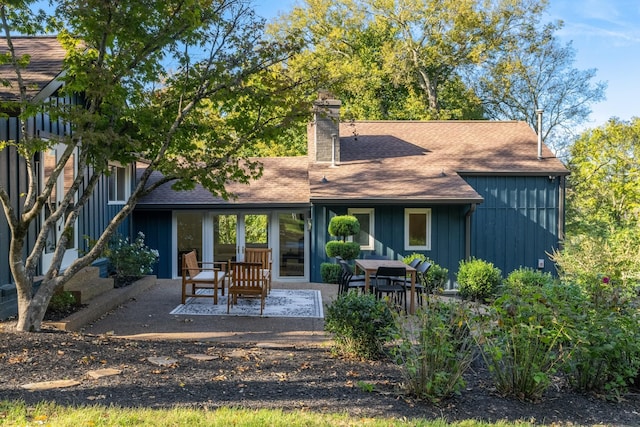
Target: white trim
(427,213)
(127,184)
(372,226)
(273,242)
(71,254)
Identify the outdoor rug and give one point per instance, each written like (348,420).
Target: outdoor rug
(279,303)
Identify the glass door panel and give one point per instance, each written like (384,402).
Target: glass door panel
(291,250)
(225,241)
(256,231)
(189,235)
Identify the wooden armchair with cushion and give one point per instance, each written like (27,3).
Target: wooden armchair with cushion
(264,257)
(247,281)
(196,276)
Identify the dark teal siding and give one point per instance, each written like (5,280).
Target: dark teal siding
(93,217)
(447,234)
(518,222)
(156,226)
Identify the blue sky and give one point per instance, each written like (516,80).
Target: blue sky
(605,35)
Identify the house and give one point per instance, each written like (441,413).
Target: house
(42,80)
(446,189)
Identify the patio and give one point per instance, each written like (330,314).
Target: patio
(147,316)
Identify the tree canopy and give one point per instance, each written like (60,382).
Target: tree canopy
(442,59)
(194,124)
(604,185)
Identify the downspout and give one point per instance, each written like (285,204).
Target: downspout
(561,210)
(467,233)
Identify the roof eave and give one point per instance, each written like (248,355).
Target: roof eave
(550,172)
(395,201)
(221,206)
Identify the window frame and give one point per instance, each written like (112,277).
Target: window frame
(127,184)
(371,213)
(412,211)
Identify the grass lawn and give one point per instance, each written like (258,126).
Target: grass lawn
(49,414)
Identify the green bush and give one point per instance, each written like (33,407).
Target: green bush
(130,260)
(478,279)
(343,226)
(526,277)
(345,250)
(435,349)
(606,358)
(62,301)
(527,336)
(360,324)
(330,272)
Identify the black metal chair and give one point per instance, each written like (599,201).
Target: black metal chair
(405,282)
(386,282)
(422,281)
(349,280)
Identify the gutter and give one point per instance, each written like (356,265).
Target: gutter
(467,231)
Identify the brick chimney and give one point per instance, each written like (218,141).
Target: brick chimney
(324,132)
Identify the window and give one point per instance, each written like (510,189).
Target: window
(365,218)
(118,185)
(417,229)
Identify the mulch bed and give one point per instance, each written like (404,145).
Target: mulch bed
(254,376)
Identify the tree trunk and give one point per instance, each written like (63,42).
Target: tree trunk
(31,309)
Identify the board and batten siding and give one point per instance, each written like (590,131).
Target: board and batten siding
(447,234)
(157,228)
(518,222)
(94,216)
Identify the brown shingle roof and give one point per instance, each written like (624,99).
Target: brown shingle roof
(421,161)
(284,182)
(47,57)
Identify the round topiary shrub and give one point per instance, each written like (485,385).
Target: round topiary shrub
(343,226)
(330,272)
(344,250)
(478,279)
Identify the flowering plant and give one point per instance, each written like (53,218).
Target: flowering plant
(130,260)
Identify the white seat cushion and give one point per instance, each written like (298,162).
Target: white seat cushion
(209,275)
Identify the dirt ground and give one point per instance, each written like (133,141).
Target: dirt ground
(251,375)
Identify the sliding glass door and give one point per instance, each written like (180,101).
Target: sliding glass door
(291,244)
(218,236)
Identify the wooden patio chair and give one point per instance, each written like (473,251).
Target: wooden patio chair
(196,276)
(247,281)
(262,256)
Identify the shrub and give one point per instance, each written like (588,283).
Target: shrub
(478,279)
(435,350)
(526,277)
(62,301)
(130,260)
(343,226)
(526,337)
(344,250)
(360,324)
(330,272)
(607,357)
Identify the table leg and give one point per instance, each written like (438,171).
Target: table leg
(412,305)
(367,278)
